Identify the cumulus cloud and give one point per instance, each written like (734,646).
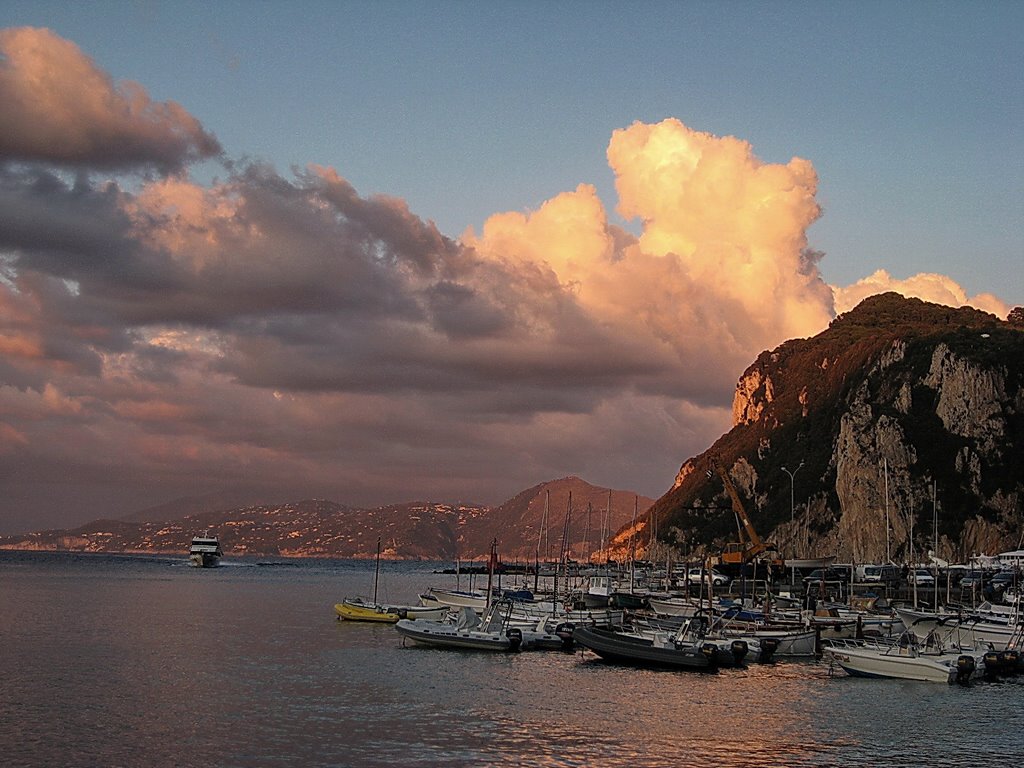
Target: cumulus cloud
(287,333)
(926,286)
(60,108)
(720,270)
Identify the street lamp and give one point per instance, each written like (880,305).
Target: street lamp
(792,476)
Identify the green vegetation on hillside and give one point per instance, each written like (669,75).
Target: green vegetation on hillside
(813,382)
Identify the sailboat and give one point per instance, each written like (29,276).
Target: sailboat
(358,609)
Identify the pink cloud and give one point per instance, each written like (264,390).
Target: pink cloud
(927,286)
(292,334)
(60,108)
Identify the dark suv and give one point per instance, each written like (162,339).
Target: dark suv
(826,575)
(972,581)
(1004,579)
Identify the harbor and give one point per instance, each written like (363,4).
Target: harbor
(701,619)
(248,663)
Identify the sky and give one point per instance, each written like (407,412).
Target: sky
(395,251)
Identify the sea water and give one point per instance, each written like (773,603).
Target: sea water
(144,661)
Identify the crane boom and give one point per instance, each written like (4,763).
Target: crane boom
(746,551)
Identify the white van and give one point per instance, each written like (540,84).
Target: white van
(877,574)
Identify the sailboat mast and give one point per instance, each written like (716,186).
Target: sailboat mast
(605,524)
(540,539)
(554,586)
(376,572)
(566,544)
(935,547)
(490,571)
(585,546)
(544,524)
(632,545)
(885,466)
(913,564)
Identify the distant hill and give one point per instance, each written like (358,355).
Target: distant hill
(897,394)
(319,528)
(194,505)
(520,527)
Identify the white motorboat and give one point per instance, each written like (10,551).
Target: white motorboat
(205,551)
(677,605)
(922,622)
(986,626)
(554,612)
(838,620)
(987,631)
(493,633)
(599,590)
(465,633)
(791,642)
(903,659)
(455,598)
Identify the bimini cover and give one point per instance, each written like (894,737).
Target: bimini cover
(467,618)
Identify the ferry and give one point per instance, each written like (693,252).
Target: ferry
(205,551)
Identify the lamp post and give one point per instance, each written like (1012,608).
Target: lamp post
(792,477)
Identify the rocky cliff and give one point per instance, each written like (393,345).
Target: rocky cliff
(901,413)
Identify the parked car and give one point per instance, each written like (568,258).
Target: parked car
(921,576)
(1005,579)
(701,576)
(878,574)
(827,575)
(972,581)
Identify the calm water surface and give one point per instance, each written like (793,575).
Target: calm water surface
(144,661)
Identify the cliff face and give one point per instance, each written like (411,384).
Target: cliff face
(902,412)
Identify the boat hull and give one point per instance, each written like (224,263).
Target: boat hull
(623,649)
(439,635)
(973,629)
(791,643)
(351,610)
(455,599)
(902,664)
(674,606)
(204,560)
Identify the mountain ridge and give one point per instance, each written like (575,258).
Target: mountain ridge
(415,530)
(898,402)
(897,393)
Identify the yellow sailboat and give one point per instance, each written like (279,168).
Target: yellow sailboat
(357,609)
(354,609)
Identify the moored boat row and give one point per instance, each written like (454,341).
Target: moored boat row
(864,638)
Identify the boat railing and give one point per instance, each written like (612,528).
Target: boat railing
(906,644)
(901,646)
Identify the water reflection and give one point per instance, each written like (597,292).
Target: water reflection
(119,662)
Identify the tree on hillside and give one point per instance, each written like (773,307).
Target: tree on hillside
(1016,317)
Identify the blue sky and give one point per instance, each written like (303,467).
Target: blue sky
(248,292)
(910,112)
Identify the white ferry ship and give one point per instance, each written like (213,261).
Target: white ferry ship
(205,551)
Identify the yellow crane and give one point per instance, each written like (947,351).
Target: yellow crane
(750,546)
